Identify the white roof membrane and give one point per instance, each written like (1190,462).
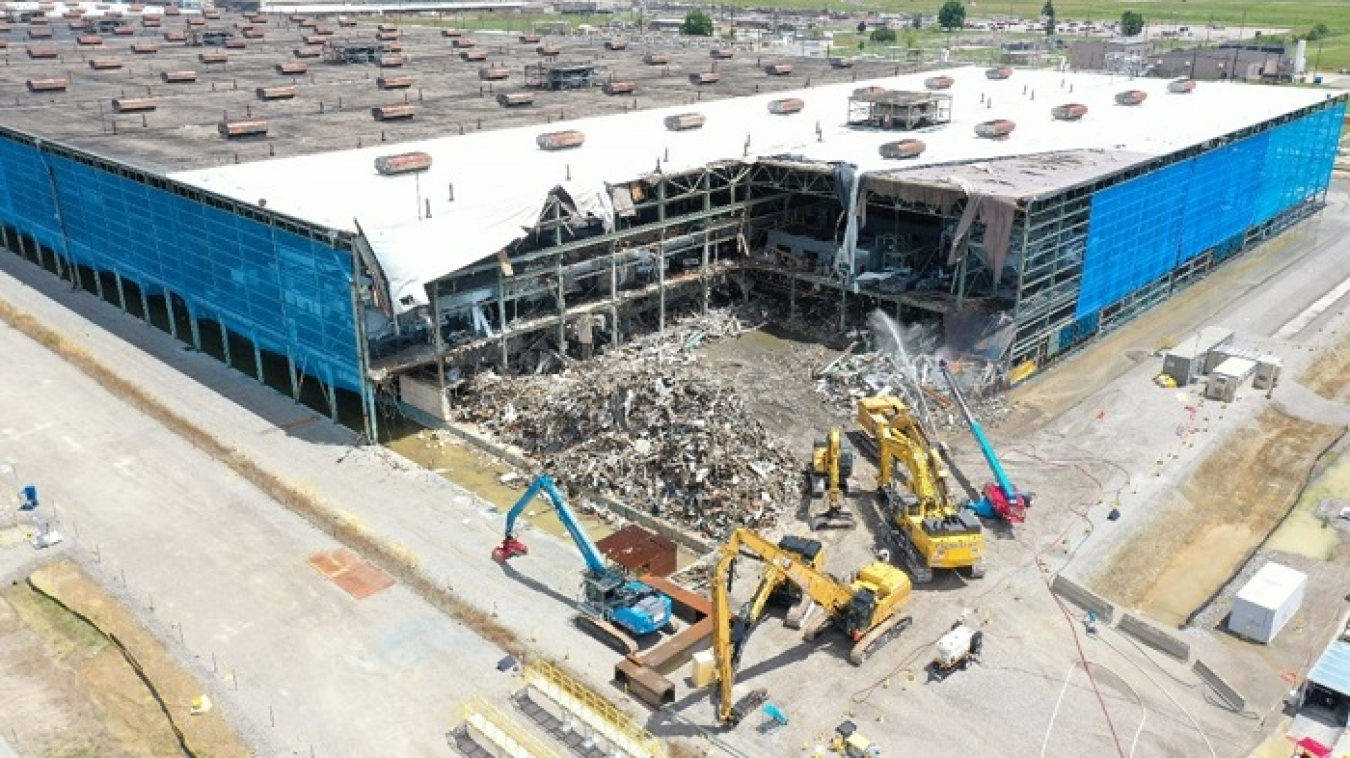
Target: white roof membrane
(501,179)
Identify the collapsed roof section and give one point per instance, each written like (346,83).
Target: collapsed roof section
(487,190)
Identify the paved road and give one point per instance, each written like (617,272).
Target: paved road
(346,677)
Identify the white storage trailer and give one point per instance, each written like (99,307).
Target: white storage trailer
(1266,602)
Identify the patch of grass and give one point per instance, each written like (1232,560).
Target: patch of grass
(70,636)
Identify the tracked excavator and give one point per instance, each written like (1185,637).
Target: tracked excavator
(616,608)
(931,532)
(867,609)
(831,466)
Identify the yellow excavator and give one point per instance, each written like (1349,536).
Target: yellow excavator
(867,609)
(931,531)
(831,466)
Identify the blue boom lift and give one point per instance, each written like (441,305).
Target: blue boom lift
(613,604)
(1001,499)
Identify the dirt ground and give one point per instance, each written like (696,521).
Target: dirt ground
(70,692)
(1216,517)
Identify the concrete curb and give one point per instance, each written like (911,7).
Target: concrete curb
(1224,689)
(1083,598)
(1154,637)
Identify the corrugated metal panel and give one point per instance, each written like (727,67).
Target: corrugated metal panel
(1333,668)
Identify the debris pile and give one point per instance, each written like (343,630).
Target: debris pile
(650,425)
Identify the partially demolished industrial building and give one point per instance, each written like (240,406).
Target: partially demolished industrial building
(1024,212)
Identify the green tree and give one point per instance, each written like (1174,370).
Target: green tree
(916,21)
(883,35)
(952,15)
(1131,24)
(697,24)
(1048,13)
(1318,32)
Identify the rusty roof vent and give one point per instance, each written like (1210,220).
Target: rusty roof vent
(616,44)
(88,40)
(145,48)
(40,32)
(778,69)
(133,104)
(1068,112)
(1181,86)
(242,129)
(549,51)
(292,68)
(996,129)
(656,59)
(530,39)
(473,55)
(175,36)
(386,36)
(998,72)
(213,58)
(560,140)
(42,52)
(901,149)
(619,88)
(939,82)
(402,163)
(685,121)
(313,39)
(275,93)
(1131,97)
(392,60)
(57,84)
(392,112)
(841,63)
(721,53)
(705,77)
(494,73)
(515,99)
(178,77)
(786,106)
(252,33)
(462,43)
(305,52)
(387,28)
(235,44)
(452,32)
(394,81)
(105,64)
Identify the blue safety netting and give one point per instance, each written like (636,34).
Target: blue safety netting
(1142,229)
(288,294)
(1133,236)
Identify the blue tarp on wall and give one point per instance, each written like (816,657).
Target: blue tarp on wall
(288,294)
(1142,229)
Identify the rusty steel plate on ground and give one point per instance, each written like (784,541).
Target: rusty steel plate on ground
(357,576)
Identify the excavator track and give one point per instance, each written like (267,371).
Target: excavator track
(870,643)
(611,635)
(911,559)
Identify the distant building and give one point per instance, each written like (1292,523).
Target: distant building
(1095,54)
(1242,63)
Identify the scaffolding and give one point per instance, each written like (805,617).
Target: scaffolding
(893,109)
(563,76)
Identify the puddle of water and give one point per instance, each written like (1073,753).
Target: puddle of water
(1304,532)
(1191,575)
(481,475)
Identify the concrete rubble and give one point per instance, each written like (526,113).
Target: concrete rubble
(650,425)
